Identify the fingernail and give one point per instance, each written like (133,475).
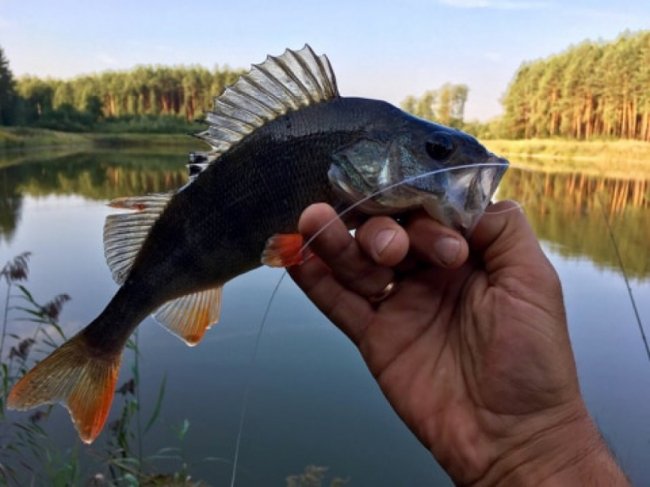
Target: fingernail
(447,249)
(382,240)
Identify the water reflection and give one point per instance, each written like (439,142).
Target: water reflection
(569,210)
(301,415)
(566,209)
(97,175)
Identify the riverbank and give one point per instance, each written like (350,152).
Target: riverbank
(616,158)
(24,138)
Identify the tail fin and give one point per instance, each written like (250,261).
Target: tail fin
(83,383)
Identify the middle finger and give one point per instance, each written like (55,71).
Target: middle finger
(333,243)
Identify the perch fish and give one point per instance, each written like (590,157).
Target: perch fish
(281,139)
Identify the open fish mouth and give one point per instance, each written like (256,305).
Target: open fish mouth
(459,196)
(455,196)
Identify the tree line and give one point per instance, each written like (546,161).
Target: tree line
(594,89)
(144,90)
(446,105)
(149,92)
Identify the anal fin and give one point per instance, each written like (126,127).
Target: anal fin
(190,316)
(284,250)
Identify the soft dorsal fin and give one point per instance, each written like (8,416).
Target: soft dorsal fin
(279,85)
(190,316)
(125,233)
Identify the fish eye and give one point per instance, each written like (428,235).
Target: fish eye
(440,147)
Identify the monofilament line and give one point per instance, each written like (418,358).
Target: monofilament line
(625,277)
(393,186)
(249,381)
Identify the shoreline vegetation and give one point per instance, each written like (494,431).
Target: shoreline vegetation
(28,138)
(586,109)
(614,158)
(629,159)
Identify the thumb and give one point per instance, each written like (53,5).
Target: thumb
(510,251)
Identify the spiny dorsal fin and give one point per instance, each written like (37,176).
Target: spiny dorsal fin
(279,85)
(190,316)
(125,233)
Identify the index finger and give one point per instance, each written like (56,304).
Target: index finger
(350,311)
(330,239)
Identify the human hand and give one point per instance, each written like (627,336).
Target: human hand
(471,348)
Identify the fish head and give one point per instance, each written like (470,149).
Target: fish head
(445,171)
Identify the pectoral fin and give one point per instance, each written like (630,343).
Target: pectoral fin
(190,316)
(284,250)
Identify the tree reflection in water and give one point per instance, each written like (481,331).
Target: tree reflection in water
(566,209)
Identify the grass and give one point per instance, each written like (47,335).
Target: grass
(25,137)
(28,455)
(101,140)
(20,138)
(611,158)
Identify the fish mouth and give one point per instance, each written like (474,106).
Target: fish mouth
(456,196)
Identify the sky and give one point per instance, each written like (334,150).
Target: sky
(378,49)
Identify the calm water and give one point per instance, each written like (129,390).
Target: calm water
(312,401)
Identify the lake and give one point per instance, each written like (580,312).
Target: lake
(311,400)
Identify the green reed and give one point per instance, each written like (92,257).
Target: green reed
(28,455)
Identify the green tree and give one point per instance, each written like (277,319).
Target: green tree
(144,95)
(425,106)
(451,104)
(35,98)
(445,105)
(593,89)
(7,92)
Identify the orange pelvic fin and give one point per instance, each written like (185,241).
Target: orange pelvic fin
(73,376)
(284,250)
(190,316)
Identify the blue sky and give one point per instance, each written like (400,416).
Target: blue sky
(379,49)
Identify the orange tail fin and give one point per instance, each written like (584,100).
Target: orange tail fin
(83,383)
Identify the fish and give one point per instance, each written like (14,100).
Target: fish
(280,138)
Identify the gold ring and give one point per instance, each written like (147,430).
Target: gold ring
(384,294)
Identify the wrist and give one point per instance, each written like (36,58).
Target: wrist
(565,452)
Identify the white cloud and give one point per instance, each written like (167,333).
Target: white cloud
(497,4)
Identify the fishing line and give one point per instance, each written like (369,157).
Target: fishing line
(393,186)
(265,316)
(625,277)
(518,206)
(345,211)
(249,381)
